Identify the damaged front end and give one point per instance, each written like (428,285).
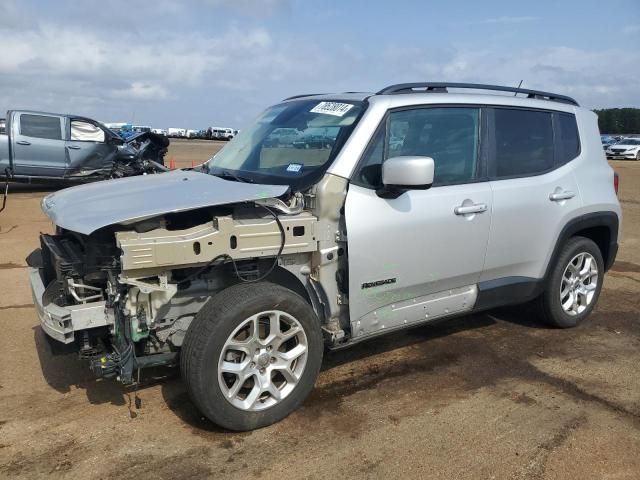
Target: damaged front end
(138,155)
(124,291)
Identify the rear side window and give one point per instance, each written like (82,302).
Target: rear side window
(569,144)
(523,142)
(40,126)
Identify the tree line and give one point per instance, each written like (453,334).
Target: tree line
(619,120)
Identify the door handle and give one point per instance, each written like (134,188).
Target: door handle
(23,142)
(559,196)
(468,209)
(74,147)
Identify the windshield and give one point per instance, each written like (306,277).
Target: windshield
(291,143)
(630,141)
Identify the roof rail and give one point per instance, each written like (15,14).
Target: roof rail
(441,87)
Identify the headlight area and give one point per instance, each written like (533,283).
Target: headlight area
(82,303)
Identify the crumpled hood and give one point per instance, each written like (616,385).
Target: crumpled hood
(87,208)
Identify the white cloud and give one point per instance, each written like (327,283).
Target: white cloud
(196,76)
(595,78)
(142,91)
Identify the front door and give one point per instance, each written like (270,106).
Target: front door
(419,256)
(38,145)
(88,149)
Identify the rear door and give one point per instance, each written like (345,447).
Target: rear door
(420,255)
(535,191)
(38,145)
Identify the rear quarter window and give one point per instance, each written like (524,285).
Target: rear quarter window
(41,126)
(523,142)
(568,138)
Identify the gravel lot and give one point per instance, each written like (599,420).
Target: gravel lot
(495,395)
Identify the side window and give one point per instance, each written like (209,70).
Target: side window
(86,132)
(569,140)
(40,126)
(449,135)
(523,142)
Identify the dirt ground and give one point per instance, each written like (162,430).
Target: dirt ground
(495,395)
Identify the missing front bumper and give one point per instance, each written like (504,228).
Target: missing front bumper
(60,323)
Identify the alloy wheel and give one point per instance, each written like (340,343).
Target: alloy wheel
(263,360)
(579,283)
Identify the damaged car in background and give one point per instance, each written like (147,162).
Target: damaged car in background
(55,148)
(244,270)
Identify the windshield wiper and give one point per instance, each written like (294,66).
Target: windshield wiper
(232,176)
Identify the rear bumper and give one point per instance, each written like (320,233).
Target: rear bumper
(61,323)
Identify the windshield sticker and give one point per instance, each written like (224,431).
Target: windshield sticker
(332,108)
(294,167)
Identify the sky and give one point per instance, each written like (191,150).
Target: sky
(200,63)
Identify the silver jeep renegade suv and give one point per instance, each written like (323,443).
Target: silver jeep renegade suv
(333,219)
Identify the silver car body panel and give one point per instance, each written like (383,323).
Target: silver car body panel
(414,245)
(594,178)
(416,310)
(526,223)
(87,208)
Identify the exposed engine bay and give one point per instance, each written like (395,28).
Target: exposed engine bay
(125,295)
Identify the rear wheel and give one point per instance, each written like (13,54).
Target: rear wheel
(573,285)
(252,355)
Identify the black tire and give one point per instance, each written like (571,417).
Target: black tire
(548,305)
(207,335)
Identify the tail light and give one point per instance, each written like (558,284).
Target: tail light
(616,182)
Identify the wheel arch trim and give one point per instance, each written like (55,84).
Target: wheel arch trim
(586,223)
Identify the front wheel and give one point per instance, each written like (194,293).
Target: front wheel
(574,284)
(251,356)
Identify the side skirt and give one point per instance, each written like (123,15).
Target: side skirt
(506,291)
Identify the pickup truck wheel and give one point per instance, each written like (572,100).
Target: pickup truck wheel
(251,355)
(574,284)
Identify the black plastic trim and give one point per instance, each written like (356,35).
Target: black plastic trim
(507,291)
(590,220)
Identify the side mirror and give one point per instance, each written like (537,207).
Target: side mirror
(400,174)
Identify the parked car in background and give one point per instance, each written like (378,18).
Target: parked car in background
(607,140)
(625,149)
(176,132)
(313,141)
(223,133)
(246,269)
(39,146)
